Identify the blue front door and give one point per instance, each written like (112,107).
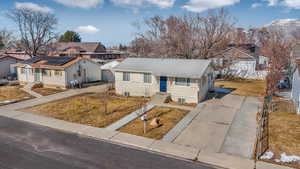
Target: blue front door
(163,84)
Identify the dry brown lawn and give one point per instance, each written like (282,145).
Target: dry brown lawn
(90,109)
(169,117)
(284,128)
(47,91)
(179,104)
(244,87)
(13,93)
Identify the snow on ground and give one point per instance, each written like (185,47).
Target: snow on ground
(287,159)
(7,101)
(283,157)
(267,156)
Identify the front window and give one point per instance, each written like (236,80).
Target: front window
(126,76)
(147,78)
(182,81)
(22,70)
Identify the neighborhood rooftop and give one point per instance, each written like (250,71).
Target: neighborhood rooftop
(186,68)
(84,46)
(50,62)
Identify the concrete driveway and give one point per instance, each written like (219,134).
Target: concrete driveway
(226,125)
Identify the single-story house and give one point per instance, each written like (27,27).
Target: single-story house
(6,64)
(187,81)
(242,61)
(58,71)
(108,74)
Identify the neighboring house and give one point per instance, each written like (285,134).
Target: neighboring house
(242,61)
(84,49)
(6,65)
(295,94)
(187,81)
(108,74)
(58,71)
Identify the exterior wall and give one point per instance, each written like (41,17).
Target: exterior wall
(27,76)
(194,93)
(108,76)
(48,80)
(136,85)
(54,80)
(93,72)
(244,66)
(296,90)
(189,93)
(5,66)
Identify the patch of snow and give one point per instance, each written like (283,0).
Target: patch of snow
(277,160)
(267,156)
(7,101)
(287,159)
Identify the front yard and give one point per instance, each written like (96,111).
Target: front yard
(94,109)
(255,88)
(47,91)
(168,117)
(11,94)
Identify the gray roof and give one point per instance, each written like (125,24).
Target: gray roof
(187,68)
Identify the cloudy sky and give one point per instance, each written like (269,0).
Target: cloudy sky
(110,21)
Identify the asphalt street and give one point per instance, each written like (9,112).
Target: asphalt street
(28,146)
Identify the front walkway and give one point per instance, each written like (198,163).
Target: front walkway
(27,88)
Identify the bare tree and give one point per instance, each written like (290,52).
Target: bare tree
(36,29)
(188,36)
(296,34)
(277,49)
(7,39)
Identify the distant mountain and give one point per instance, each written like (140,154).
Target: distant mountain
(285,25)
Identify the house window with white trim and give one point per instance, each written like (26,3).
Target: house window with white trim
(182,81)
(126,76)
(147,78)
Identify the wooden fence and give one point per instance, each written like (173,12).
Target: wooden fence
(262,132)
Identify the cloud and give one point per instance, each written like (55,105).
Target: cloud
(293,4)
(202,5)
(256,5)
(89,29)
(32,6)
(272,2)
(141,3)
(86,4)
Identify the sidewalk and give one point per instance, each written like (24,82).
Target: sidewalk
(207,152)
(170,149)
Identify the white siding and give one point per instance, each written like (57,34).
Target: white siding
(194,93)
(93,71)
(136,85)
